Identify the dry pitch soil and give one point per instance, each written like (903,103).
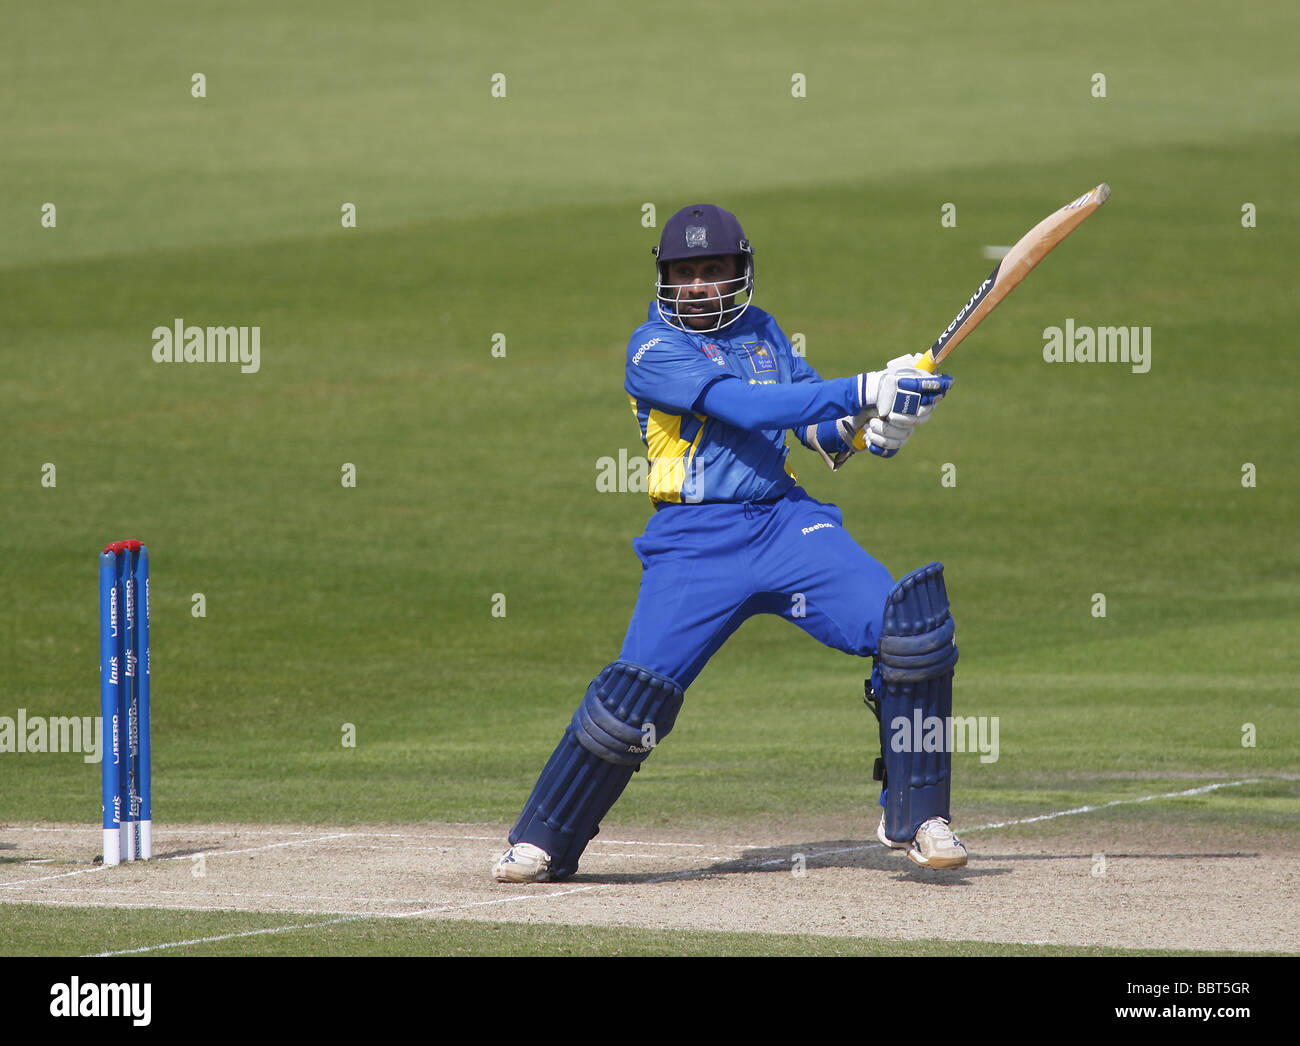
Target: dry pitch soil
(1075,881)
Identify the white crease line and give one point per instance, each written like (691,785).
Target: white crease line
(255,849)
(47,878)
(201,829)
(197,829)
(1116,802)
(181,831)
(661,857)
(201,895)
(153,905)
(642,842)
(502,840)
(80,830)
(229,936)
(502,900)
(186,857)
(407,835)
(344,919)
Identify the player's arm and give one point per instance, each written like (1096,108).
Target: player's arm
(747,406)
(838,439)
(903,396)
(826,438)
(894,394)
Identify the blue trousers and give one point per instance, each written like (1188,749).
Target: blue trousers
(709,567)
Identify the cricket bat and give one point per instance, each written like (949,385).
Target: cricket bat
(1029,250)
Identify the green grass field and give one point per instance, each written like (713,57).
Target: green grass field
(260,935)
(372,605)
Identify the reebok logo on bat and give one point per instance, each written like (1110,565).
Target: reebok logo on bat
(974,300)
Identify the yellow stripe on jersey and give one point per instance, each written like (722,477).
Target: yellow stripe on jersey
(670,455)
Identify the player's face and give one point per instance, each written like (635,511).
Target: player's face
(703,290)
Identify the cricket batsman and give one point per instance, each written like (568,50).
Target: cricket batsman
(714,384)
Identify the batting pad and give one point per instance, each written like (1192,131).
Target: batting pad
(918,651)
(626,711)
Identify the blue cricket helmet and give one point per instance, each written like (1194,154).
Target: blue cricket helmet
(704,230)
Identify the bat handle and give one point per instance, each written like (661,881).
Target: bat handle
(927,363)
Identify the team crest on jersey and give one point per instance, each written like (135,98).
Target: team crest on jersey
(697,236)
(761,357)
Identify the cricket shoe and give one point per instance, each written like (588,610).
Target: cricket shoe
(523,863)
(934,846)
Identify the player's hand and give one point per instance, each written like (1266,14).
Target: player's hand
(876,435)
(931,388)
(885,439)
(846,429)
(902,395)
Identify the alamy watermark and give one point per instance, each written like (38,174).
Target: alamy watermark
(24,734)
(947,734)
(72,998)
(636,474)
(1071,344)
(181,344)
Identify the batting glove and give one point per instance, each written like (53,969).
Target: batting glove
(894,401)
(878,435)
(904,395)
(884,439)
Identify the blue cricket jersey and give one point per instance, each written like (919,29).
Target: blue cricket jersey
(695,458)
